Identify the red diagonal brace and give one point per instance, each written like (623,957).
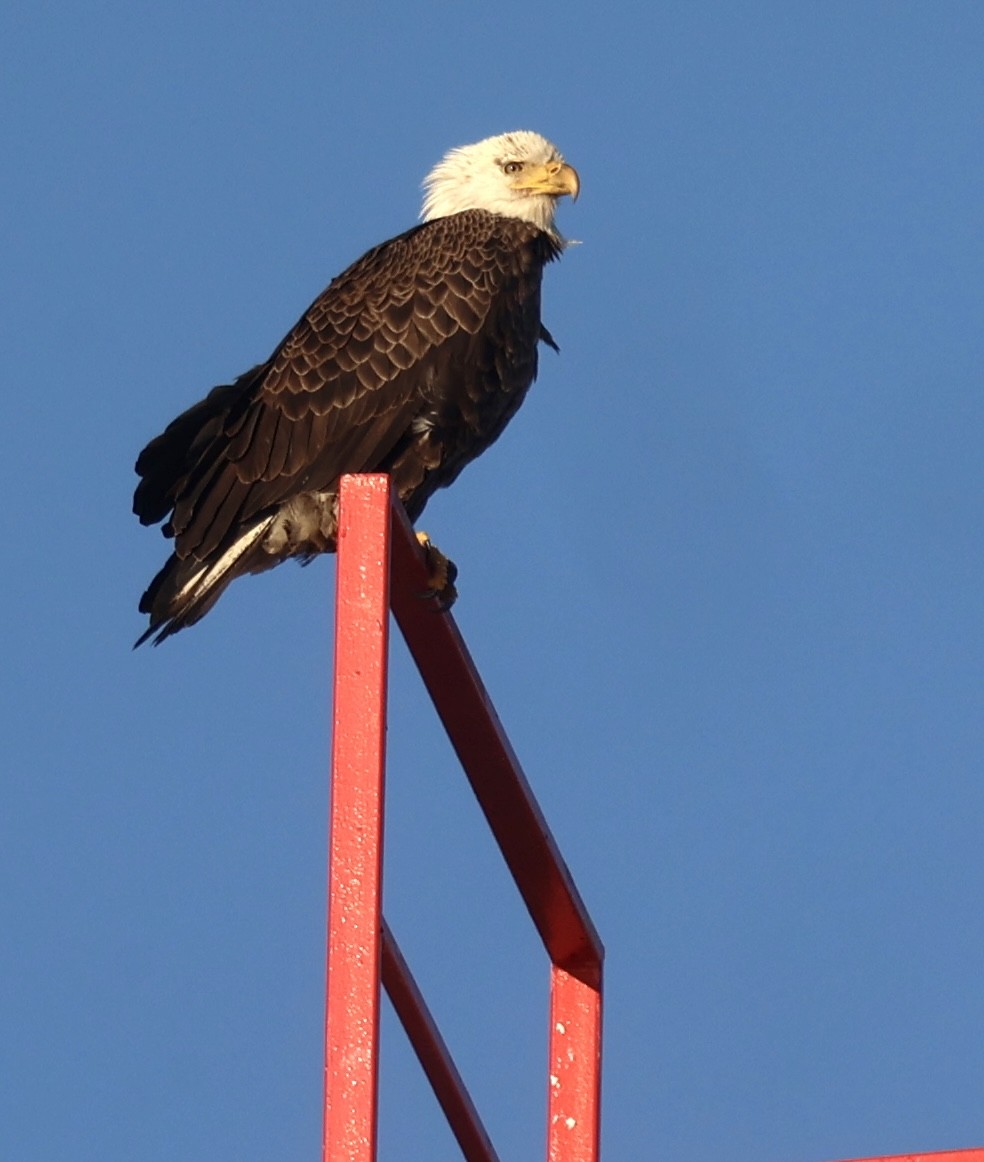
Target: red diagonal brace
(435,1060)
(491,766)
(943,1156)
(576,952)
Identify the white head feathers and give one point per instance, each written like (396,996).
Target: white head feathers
(519,175)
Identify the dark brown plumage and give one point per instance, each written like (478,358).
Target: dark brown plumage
(411,362)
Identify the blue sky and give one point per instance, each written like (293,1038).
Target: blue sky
(722,576)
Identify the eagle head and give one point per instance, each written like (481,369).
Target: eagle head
(519,175)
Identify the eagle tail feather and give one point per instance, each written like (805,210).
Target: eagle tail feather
(185,590)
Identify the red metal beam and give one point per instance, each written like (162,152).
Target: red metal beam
(529,849)
(976,1155)
(574,1093)
(433,1055)
(360,946)
(356,822)
(491,766)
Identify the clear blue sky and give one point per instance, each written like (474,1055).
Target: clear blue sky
(722,575)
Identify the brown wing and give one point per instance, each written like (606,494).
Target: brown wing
(344,386)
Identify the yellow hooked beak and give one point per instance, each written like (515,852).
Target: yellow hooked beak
(556,178)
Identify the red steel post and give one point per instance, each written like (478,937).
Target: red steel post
(574,1096)
(356,821)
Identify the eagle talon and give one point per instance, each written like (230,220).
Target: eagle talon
(442,573)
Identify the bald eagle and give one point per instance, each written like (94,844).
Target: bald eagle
(411,362)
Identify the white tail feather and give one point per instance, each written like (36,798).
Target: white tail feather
(208,576)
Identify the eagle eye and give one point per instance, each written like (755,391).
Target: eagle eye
(512,167)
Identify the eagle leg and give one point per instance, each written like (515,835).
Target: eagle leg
(442,573)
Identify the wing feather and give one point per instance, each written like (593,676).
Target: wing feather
(344,387)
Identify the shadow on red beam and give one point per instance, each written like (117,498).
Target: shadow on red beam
(492,768)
